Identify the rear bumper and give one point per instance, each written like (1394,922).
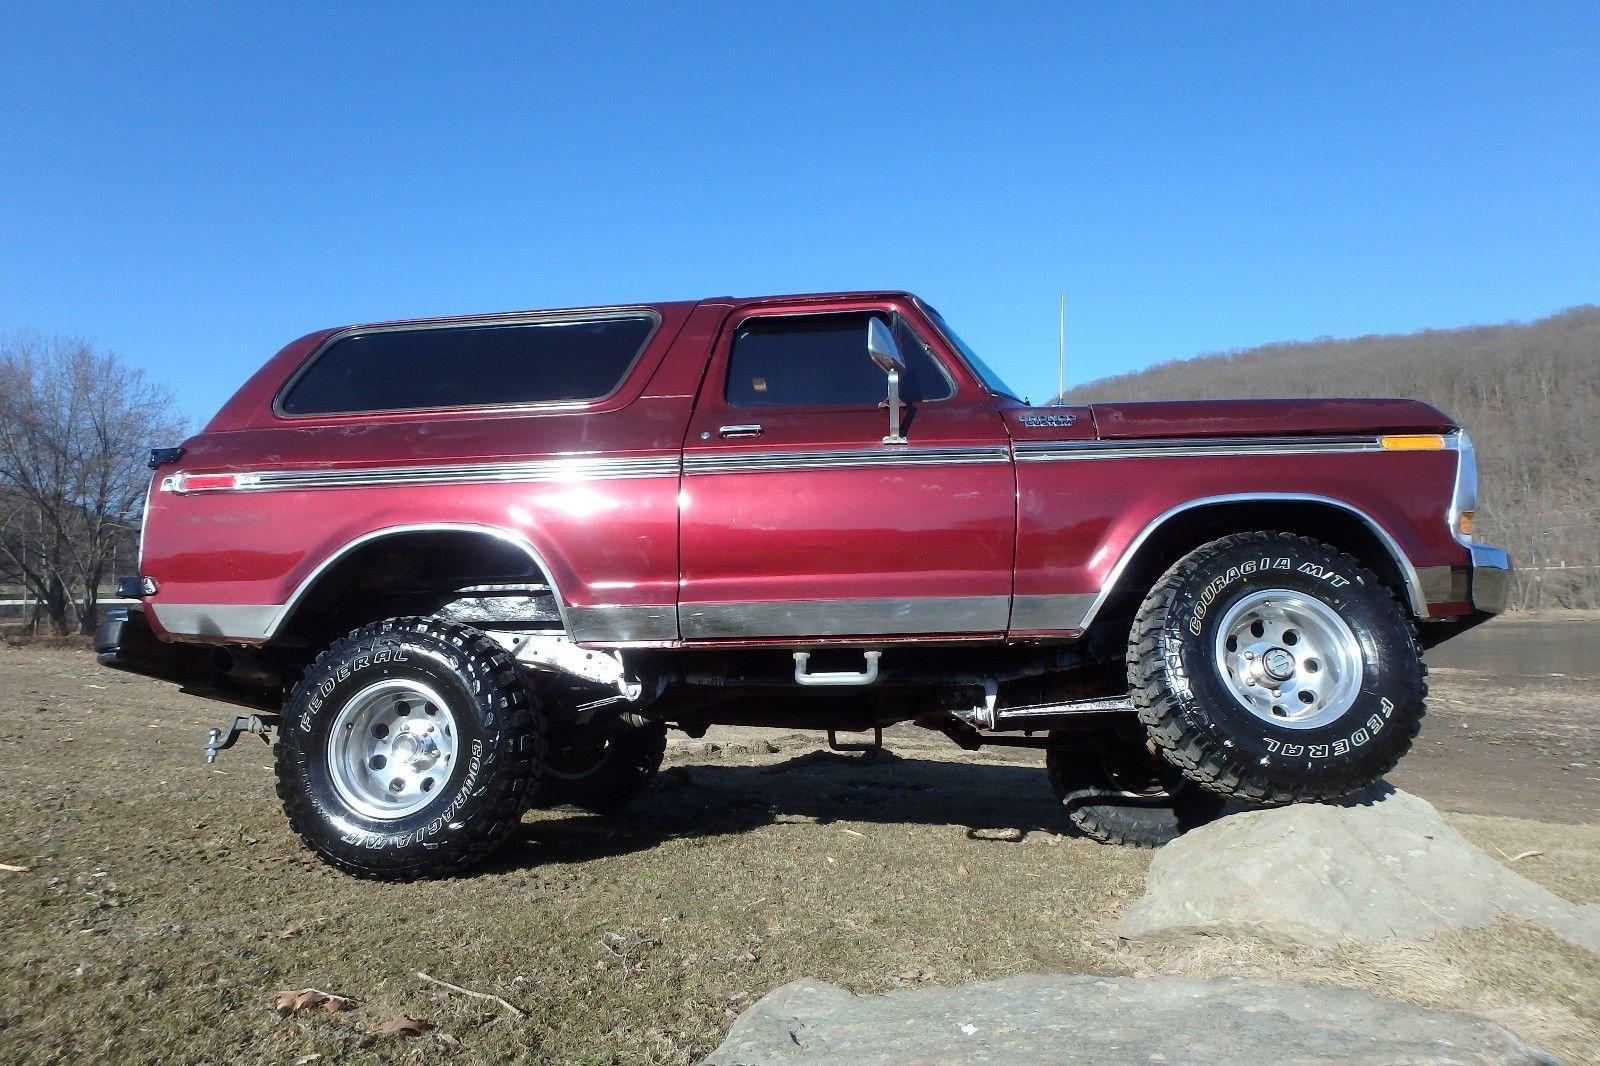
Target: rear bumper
(124,642)
(1490,578)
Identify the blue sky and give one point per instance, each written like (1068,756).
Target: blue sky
(195,186)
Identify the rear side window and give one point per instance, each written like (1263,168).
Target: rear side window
(470,366)
(822,361)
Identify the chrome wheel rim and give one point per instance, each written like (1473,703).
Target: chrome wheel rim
(1289,659)
(391,749)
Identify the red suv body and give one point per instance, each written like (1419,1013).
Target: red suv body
(707,494)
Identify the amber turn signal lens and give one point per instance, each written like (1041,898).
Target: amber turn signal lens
(1413,442)
(1464,524)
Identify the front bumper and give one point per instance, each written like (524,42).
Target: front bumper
(1490,578)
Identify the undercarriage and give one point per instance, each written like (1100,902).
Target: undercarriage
(1298,684)
(976,695)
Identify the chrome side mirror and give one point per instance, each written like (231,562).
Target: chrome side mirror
(883,350)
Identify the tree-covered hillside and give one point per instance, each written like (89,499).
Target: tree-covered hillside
(1529,393)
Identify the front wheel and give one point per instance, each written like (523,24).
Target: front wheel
(408,750)
(1274,668)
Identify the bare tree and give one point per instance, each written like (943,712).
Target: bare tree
(75,425)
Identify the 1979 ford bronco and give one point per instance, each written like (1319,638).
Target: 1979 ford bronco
(468,566)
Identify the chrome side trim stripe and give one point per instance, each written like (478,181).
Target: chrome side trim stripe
(1051,613)
(566,468)
(1058,451)
(584,468)
(595,467)
(844,618)
(756,462)
(616,624)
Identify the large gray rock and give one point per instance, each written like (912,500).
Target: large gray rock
(1381,865)
(1059,1019)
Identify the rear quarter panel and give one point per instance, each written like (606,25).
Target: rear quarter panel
(606,540)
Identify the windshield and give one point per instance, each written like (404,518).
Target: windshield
(990,379)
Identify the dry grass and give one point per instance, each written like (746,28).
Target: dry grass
(165,903)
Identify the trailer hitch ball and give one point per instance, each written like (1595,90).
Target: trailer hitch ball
(224,738)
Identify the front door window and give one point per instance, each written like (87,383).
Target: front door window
(821,361)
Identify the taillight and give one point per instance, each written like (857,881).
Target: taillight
(186,483)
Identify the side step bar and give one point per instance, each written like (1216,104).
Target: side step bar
(803,674)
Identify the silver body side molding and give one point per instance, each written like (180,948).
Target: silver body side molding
(622,623)
(844,618)
(242,621)
(1030,613)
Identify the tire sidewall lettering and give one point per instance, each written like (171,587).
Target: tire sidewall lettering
(382,652)
(1190,675)
(1214,588)
(336,682)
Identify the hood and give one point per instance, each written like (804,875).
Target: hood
(1272,418)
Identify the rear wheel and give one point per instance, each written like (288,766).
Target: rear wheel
(601,768)
(1132,798)
(1273,668)
(408,749)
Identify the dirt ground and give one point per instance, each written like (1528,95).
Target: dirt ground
(151,905)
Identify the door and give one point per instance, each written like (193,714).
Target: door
(797,520)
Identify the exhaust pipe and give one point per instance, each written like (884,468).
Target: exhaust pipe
(245,668)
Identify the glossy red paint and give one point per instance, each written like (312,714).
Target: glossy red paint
(845,532)
(248,548)
(1078,519)
(1288,418)
(969,534)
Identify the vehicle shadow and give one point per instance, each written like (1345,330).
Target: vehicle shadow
(818,787)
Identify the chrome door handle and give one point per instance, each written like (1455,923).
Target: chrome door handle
(740,431)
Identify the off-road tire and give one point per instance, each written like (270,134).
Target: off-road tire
(500,736)
(1190,712)
(1099,806)
(630,761)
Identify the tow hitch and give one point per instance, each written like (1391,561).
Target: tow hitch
(223,739)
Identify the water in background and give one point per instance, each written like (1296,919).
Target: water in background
(1525,647)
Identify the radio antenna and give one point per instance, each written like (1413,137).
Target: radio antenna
(1061,352)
